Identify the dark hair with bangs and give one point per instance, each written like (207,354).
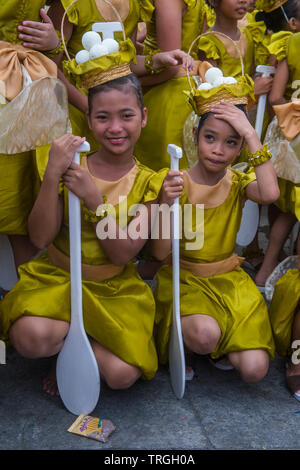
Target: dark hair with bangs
(129,81)
(204,116)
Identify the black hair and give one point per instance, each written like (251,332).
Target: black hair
(204,116)
(275,20)
(213,4)
(118,84)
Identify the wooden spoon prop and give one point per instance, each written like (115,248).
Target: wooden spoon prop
(176,350)
(77,371)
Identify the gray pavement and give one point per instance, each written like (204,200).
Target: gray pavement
(218,411)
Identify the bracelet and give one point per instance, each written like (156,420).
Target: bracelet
(261,156)
(149,62)
(100,213)
(58,49)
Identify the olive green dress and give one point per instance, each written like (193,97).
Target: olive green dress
(119,311)
(285,45)
(283,307)
(167,105)
(19,178)
(229,296)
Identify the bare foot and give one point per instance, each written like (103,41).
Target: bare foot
(49,382)
(263,274)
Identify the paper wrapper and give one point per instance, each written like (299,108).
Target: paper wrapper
(92,428)
(37,116)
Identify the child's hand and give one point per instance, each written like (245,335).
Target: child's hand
(172,187)
(235,117)
(175,57)
(62,152)
(78,180)
(40,36)
(262,85)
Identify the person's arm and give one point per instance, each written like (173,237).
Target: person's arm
(120,245)
(45,218)
(265,189)
(172,188)
(163,59)
(168,19)
(280,81)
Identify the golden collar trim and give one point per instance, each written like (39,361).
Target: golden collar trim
(210,196)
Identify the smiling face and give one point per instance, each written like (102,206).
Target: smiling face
(218,145)
(116,120)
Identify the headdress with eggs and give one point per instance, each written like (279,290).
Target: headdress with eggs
(215,87)
(102,58)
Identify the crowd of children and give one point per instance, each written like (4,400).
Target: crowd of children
(129,104)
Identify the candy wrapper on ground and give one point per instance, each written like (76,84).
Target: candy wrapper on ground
(92,428)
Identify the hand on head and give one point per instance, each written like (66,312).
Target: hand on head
(234,116)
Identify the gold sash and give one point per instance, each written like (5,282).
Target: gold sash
(11,57)
(210,269)
(90,272)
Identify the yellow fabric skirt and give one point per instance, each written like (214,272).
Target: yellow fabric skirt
(232,299)
(168,109)
(118,312)
(283,308)
(19,186)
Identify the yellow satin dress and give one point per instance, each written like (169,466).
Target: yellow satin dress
(285,45)
(19,182)
(229,296)
(167,106)
(82,15)
(283,307)
(119,311)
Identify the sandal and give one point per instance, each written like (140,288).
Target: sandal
(221,363)
(293,381)
(189,373)
(293,384)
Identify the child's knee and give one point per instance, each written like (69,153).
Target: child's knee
(255,366)
(202,336)
(31,337)
(122,376)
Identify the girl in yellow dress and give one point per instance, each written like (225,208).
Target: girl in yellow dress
(19,179)
(79,17)
(285,320)
(221,52)
(222,311)
(285,213)
(118,307)
(174,25)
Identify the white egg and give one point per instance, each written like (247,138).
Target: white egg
(212,74)
(82,56)
(97,51)
(111,44)
(217,82)
(89,39)
(204,86)
(229,80)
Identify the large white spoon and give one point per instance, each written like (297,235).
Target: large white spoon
(176,350)
(77,371)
